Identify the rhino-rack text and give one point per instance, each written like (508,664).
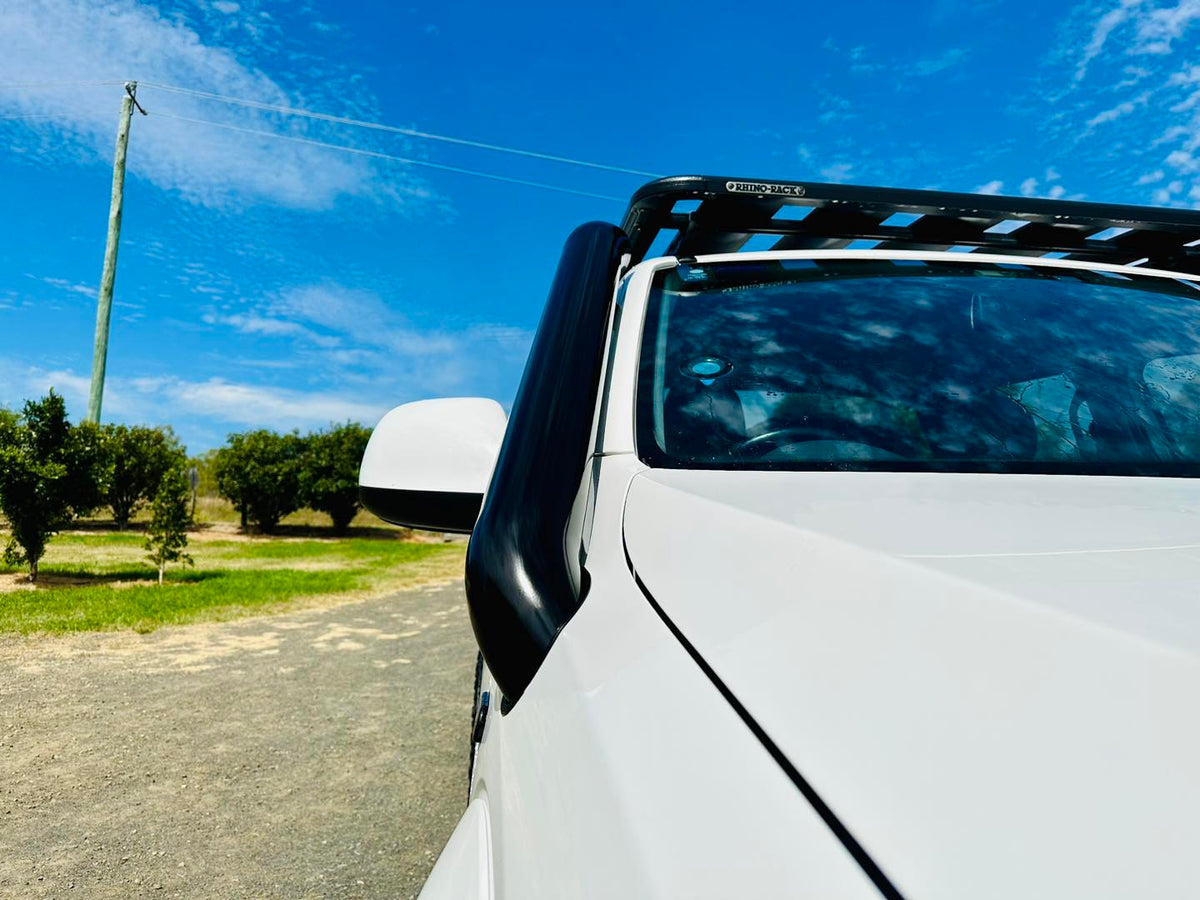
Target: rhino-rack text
(758,187)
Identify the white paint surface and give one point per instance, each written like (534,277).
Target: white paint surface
(435,445)
(989,678)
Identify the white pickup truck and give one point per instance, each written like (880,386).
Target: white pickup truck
(842,542)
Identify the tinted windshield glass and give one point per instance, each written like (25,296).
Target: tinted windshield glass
(899,366)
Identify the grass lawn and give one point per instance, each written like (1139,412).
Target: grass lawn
(102,581)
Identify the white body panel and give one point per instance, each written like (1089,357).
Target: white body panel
(464,869)
(447,445)
(987,729)
(988,678)
(622,772)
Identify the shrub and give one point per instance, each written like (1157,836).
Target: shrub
(166,537)
(259,472)
(329,472)
(50,472)
(139,457)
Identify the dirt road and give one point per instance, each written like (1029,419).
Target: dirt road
(317,754)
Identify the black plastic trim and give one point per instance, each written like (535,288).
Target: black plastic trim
(519,586)
(856,850)
(732,210)
(481,718)
(428,510)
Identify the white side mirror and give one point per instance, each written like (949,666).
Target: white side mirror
(428,463)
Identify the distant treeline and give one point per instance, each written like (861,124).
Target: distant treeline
(53,472)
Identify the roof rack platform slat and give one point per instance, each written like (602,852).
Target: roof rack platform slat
(732,210)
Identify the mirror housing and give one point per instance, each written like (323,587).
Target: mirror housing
(428,464)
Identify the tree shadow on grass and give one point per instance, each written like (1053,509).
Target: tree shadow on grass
(106,525)
(373,532)
(57,577)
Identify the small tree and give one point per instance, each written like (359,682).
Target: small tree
(170,515)
(329,472)
(49,473)
(139,458)
(259,472)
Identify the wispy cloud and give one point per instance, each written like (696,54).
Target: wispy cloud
(992,187)
(934,64)
(1132,100)
(1048,185)
(224,48)
(350,336)
(1121,109)
(63,284)
(232,404)
(1159,28)
(1100,32)
(838,172)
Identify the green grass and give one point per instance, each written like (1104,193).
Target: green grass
(101,582)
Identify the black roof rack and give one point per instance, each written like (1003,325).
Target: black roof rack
(730,211)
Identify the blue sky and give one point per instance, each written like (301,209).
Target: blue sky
(273,283)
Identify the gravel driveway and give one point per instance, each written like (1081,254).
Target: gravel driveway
(316,754)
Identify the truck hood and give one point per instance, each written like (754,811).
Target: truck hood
(992,680)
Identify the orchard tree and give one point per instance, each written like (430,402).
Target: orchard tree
(139,458)
(50,472)
(259,472)
(230,476)
(170,516)
(329,472)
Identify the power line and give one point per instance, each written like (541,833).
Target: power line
(6,85)
(424,135)
(387,156)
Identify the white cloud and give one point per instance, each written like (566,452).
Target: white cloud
(229,403)
(259,407)
(63,284)
(1116,112)
(939,63)
(1121,117)
(348,336)
(837,173)
(1159,28)
(361,316)
(59,41)
(992,187)
(1100,32)
(834,108)
(269,327)
(1031,187)
(1183,161)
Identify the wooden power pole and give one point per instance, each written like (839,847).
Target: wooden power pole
(109,275)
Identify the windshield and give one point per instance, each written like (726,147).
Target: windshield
(916,366)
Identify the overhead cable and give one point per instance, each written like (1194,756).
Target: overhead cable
(387,156)
(409,132)
(55,84)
